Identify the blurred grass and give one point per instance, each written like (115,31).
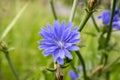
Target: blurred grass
(23,37)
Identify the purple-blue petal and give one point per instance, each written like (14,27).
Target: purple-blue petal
(61,53)
(60,61)
(73,75)
(106,17)
(55,54)
(74,40)
(50,28)
(47,52)
(70,24)
(68,54)
(73,48)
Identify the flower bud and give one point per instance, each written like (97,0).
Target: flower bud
(92,4)
(3,47)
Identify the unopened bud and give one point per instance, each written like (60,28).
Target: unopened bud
(3,47)
(92,4)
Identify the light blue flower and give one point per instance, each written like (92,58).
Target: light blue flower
(73,75)
(59,40)
(106,15)
(76,75)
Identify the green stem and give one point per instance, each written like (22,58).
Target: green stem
(84,20)
(108,75)
(73,10)
(83,64)
(53,9)
(11,65)
(111,20)
(109,33)
(1,76)
(95,24)
(102,59)
(106,59)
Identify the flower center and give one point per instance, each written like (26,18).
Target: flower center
(60,44)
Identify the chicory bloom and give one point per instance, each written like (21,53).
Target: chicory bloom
(106,15)
(59,40)
(73,75)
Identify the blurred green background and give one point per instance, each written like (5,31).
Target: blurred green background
(23,38)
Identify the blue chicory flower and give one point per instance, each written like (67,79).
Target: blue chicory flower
(106,15)
(73,75)
(59,40)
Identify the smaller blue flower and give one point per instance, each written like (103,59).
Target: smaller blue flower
(106,15)
(73,75)
(59,40)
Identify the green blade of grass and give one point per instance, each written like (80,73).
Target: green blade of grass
(9,27)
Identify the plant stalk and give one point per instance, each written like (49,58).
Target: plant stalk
(84,20)
(11,65)
(53,9)
(9,27)
(111,20)
(83,64)
(95,24)
(73,10)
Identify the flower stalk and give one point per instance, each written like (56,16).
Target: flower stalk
(83,64)
(4,49)
(110,31)
(84,20)
(89,11)
(73,10)
(11,65)
(9,27)
(95,24)
(53,9)
(111,20)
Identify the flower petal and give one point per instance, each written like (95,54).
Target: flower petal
(73,75)
(74,41)
(70,24)
(75,48)
(68,54)
(50,28)
(47,52)
(55,54)
(56,29)
(60,61)
(45,34)
(67,45)
(61,53)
